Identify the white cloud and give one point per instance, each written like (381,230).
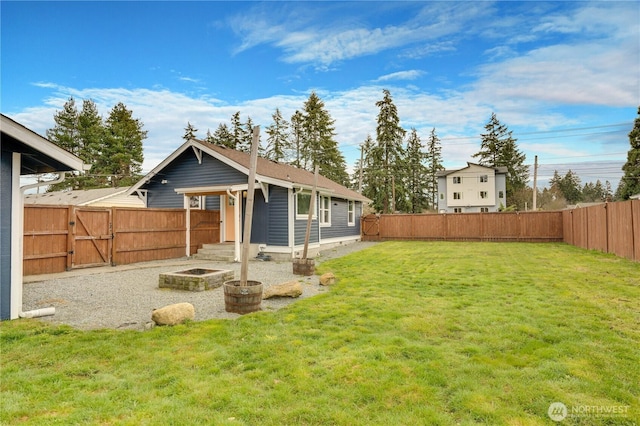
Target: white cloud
(401,75)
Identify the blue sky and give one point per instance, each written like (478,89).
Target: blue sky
(563,76)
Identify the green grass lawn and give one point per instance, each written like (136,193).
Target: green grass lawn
(412,333)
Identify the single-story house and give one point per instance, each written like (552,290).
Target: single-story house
(205,176)
(23,152)
(99,197)
(472,189)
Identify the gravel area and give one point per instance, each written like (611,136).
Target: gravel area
(123,297)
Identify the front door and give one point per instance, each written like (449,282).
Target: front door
(229,219)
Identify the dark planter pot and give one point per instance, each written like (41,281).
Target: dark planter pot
(242,299)
(305,267)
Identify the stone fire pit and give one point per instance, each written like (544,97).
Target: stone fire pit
(197,279)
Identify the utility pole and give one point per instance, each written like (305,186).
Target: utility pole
(535,183)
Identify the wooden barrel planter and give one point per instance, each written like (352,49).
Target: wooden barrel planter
(242,299)
(305,267)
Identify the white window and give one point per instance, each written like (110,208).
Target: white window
(484,209)
(351,213)
(457,179)
(303,199)
(500,194)
(457,195)
(325,211)
(196,202)
(484,178)
(483,194)
(457,210)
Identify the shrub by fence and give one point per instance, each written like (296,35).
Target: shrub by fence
(59,238)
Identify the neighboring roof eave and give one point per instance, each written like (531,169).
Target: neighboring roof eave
(20,133)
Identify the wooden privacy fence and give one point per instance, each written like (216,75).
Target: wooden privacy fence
(610,227)
(533,226)
(59,238)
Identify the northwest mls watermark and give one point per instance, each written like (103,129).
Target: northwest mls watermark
(558,411)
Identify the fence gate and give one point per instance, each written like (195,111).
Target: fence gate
(91,237)
(370,225)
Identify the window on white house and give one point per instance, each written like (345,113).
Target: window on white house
(457,179)
(325,211)
(457,195)
(500,194)
(351,213)
(303,200)
(442,196)
(484,209)
(484,178)
(457,210)
(483,194)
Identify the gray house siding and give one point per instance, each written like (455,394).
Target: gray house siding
(339,226)
(187,172)
(278,222)
(300,227)
(6,161)
(260,219)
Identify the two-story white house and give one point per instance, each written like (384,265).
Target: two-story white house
(472,189)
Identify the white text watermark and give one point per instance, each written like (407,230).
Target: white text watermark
(558,411)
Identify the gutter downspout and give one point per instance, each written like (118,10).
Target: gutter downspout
(17,266)
(236,237)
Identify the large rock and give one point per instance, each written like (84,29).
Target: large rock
(288,289)
(327,279)
(173,314)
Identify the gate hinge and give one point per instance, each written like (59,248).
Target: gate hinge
(72,223)
(70,251)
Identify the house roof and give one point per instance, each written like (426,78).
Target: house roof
(76,198)
(498,170)
(39,155)
(267,171)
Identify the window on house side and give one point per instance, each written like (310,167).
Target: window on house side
(457,195)
(442,196)
(457,210)
(500,194)
(483,194)
(325,210)
(351,213)
(484,209)
(302,203)
(457,179)
(484,178)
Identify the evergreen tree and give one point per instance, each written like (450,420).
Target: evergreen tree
(278,143)
(319,146)
(223,136)
(247,138)
(81,134)
(434,164)
(190,132)
(498,149)
(121,153)
(567,186)
(372,174)
(416,174)
(630,182)
(209,137)
(297,137)
(237,132)
(65,132)
(389,137)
